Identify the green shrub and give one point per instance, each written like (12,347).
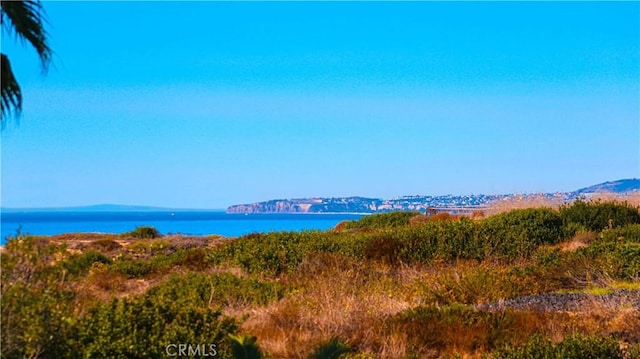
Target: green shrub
(516,234)
(133,268)
(276,253)
(333,349)
(574,347)
(597,215)
(384,248)
(617,260)
(80,264)
(181,310)
(143,327)
(36,320)
(193,258)
(146,232)
(442,240)
(510,236)
(106,245)
(217,289)
(36,307)
(547,257)
(629,233)
(245,347)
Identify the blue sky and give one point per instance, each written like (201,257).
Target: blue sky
(205,104)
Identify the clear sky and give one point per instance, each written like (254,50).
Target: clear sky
(204,105)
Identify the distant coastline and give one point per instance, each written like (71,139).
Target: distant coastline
(420,203)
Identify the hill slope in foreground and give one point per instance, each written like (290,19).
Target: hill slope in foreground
(413,203)
(527,283)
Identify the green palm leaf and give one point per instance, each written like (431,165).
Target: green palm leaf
(330,350)
(11,94)
(26,20)
(244,347)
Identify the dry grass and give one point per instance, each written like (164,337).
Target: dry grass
(633,198)
(359,302)
(335,297)
(602,319)
(438,217)
(523,201)
(579,240)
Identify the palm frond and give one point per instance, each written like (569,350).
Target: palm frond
(244,347)
(11,94)
(26,19)
(333,349)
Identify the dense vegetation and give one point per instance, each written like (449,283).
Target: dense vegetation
(387,286)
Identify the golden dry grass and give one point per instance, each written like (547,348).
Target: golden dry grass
(522,201)
(335,297)
(579,240)
(633,198)
(357,301)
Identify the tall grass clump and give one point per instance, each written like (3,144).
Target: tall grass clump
(456,329)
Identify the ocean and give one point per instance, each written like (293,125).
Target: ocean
(183,222)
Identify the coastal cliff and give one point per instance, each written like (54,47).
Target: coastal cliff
(310,205)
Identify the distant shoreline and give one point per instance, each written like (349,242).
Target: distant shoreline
(90,209)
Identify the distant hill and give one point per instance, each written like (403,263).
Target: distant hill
(410,203)
(619,186)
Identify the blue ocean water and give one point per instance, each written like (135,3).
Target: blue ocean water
(184,222)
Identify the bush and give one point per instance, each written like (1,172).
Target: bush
(597,215)
(217,290)
(276,253)
(184,309)
(384,248)
(516,234)
(145,232)
(80,264)
(332,349)
(194,258)
(574,347)
(444,240)
(35,320)
(630,233)
(106,245)
(35,305)
(617,260)
(143,327)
